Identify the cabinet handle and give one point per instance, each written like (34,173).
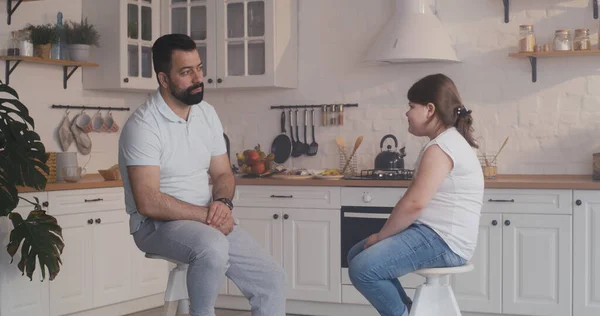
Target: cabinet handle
(219,80)
(285,216)
(45,204)
(502,201)
(210,80)
(507,222)
(126,80)
(275,216)
(98,221)
(94,200)
(494,222)
(578,202)
(90,221)
(282,196)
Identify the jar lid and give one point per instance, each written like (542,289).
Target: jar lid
(582,31)
(526,26)
(563,31)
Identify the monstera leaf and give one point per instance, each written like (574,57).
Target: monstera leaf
(22,154)
(41,237)
(23,163)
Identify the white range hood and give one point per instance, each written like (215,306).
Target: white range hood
(413,34)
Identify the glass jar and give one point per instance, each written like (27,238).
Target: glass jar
(562,41)
(14,46)
(526,38)
(26,44)
(581,41)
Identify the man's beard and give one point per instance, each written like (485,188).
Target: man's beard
(186,95)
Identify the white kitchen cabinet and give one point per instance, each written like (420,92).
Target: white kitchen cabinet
(101,264)
(242,43)
(586,263)
(18,295)
(522,261)
(126,39)
(305,241)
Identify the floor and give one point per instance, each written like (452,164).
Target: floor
(219,312)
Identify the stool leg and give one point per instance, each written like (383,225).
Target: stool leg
(170,308)
(434,299)
(184,307)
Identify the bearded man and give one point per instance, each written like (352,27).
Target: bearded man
(168,148)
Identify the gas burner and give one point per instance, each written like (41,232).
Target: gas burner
(383,174)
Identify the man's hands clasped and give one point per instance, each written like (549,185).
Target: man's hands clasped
(219,217)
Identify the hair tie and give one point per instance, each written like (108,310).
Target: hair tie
(461,112)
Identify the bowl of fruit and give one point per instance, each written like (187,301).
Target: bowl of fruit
(254,163)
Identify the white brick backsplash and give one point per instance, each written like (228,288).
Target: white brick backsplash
(553,124)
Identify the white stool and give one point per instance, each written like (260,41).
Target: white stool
(176,296)
(433,298)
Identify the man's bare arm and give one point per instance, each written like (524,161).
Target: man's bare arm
(222,177)
(145,184)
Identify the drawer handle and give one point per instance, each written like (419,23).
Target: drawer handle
(275,216)
(503,201)
(285,216)
(94,200)
(98,221)
(282,196)
(90,221)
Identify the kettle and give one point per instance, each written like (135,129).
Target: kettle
(390,159)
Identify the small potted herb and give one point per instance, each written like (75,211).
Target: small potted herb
(42,38)
(80,36)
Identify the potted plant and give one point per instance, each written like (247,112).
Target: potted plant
(80,36)
(42,38)
(23,163)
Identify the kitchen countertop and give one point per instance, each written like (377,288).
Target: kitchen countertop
(570,182)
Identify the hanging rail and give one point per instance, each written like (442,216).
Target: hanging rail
(83,107)
(308,106)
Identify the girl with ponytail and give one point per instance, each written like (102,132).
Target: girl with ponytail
(436,222)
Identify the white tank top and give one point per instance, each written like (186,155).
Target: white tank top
(454,210)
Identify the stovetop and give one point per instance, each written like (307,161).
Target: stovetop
(383,174)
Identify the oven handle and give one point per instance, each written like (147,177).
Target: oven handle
(366,215)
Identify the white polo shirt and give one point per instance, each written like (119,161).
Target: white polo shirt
(155,135)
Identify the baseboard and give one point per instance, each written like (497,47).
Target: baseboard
(125,308)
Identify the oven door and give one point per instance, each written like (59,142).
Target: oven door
(358,223)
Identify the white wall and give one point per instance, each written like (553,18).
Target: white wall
(552,124)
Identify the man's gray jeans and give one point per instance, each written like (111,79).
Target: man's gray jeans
(211,255)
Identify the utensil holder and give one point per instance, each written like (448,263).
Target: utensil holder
(489,166)
(352,165)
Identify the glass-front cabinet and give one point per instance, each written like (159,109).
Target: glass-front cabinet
(242,43)
(128,29)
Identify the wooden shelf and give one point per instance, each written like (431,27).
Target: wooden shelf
(10,9)
(534,56)
(66,64)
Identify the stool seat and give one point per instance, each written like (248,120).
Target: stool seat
(155,256)
(433,298)
(445,271)
(176,295)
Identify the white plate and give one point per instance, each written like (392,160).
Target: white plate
(333,177)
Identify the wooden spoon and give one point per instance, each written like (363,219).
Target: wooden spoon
(340,142)
(356,145)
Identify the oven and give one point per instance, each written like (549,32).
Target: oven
(364,212)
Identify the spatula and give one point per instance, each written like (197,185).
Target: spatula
(314,147)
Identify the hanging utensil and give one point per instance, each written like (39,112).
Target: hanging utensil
(305,144)
(296,144)
(314,147)
(282,144)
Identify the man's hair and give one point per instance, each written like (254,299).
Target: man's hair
(163,48)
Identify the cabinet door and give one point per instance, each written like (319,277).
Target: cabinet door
(311,254)
(111,257)
(72,290)
(140,28)
(18,295)
(245,43)
(197,18)
(265,226)
(481,289)
(586,263)
(537,265)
